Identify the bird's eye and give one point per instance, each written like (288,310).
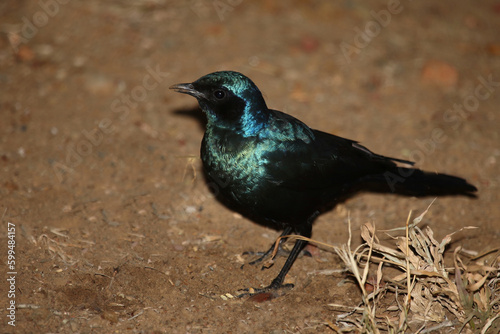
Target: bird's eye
(219,94)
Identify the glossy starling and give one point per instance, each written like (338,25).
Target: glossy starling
(276,170)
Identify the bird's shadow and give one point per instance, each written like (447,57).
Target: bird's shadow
(193,112)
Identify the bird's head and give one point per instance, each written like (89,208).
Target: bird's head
(230,100)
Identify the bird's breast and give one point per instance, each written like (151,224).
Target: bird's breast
(236,165)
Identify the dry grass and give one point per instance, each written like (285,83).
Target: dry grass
(424,296)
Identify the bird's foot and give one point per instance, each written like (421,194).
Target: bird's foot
(261,256)
(274,290)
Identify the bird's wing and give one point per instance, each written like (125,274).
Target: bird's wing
(324,161)
(354,147)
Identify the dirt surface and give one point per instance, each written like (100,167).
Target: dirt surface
(115,228)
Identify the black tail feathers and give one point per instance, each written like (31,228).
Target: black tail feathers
(414,182)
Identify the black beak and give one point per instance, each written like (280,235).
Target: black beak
(187,88)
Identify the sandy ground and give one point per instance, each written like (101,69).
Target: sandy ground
(115,228)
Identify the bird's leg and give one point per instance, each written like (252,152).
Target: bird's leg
(286,231)
(277,283)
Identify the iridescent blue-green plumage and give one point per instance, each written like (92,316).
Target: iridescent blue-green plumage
(275,169)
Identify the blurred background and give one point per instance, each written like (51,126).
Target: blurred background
(117,230)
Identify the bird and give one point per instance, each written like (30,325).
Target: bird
(274,169)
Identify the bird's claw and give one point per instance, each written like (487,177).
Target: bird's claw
(262,294)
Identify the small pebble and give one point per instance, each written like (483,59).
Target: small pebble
(439,73)
(190,209)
